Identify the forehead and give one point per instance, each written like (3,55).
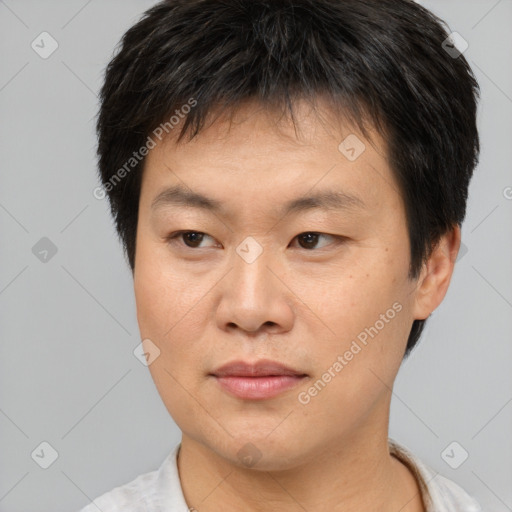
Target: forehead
(258,156)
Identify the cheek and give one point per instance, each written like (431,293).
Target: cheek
(356,370)
(167,312)
(353,301)
(153,301)
(368,316)
(173,311)
(163,296)
(167,307)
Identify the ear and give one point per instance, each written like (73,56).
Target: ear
(436,274)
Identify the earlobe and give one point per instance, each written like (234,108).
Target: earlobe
(436,274)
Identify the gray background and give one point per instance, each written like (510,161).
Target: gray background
(68,375)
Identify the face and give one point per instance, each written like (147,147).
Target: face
(297,254)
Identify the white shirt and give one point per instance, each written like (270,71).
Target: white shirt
(160,490)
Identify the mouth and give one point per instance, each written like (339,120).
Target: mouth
(257,381)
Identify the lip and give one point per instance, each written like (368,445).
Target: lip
(261,380)
(261,368)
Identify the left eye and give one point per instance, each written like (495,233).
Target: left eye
(309,240)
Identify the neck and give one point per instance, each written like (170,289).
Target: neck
(356,474)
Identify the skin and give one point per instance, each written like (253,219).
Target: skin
(303,305)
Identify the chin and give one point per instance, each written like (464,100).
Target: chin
(262,452)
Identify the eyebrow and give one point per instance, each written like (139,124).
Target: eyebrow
(178,195)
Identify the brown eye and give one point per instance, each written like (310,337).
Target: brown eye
(309,240)
(191,239)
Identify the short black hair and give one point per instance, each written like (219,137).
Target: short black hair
(381,64)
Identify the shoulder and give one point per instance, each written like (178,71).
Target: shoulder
(452,496)
(131,497)
(155,491)
(439,493)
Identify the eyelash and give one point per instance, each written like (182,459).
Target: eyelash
(172,238)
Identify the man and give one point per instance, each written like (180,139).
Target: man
(288,178)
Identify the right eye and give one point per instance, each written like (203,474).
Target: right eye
(191,239)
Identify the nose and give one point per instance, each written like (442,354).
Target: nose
(254,299)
